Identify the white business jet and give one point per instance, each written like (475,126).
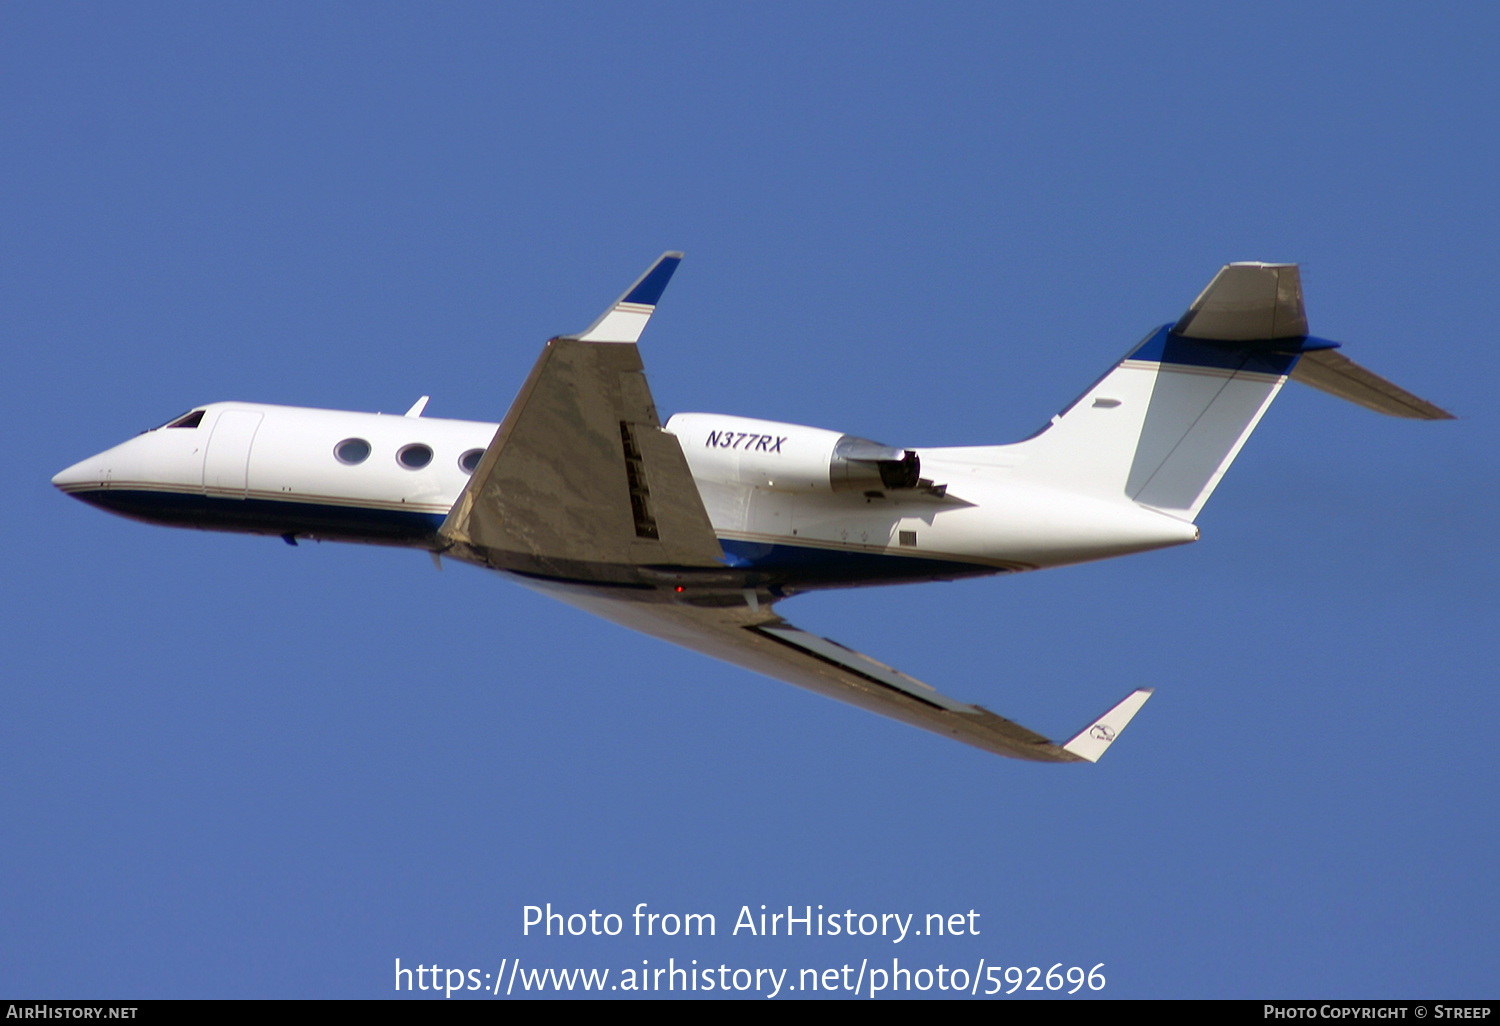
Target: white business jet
(694,532)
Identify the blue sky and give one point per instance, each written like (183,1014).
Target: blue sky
(234,768)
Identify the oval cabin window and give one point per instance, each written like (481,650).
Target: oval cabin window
(414,457)
(352,451)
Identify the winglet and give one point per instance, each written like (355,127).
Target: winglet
(1092,740)
(626,319)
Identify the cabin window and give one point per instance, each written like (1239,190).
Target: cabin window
(352,451)
(469,461)
(414,457)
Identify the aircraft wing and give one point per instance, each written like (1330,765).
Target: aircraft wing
(582,495)
(580,481)
(758,639)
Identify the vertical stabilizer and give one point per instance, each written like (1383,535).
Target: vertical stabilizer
(1163,426)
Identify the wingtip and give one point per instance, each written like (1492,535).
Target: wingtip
(1092,741)
(626,318)
(647,291)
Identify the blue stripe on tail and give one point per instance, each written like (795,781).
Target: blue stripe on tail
(1272,356)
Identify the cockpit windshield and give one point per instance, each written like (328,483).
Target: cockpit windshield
(186,420)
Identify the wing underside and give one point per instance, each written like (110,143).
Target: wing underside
(760,640)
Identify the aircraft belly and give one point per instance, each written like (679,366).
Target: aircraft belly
(803,567)
(334,522)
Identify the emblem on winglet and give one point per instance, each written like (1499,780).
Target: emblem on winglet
(1091,742)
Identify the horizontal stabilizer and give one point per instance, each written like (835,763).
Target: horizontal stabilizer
(1338,375)
(1247,302)
(626,319)
(1097,736)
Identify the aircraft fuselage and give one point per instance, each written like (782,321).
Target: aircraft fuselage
(781,515)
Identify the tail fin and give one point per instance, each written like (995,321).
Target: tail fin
(1164,425)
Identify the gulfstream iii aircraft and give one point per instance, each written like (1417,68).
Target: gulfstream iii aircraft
(695,531)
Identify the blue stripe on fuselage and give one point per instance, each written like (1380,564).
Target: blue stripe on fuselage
(812,565)
(267,516)
(797,566)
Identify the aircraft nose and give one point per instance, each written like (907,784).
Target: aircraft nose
(85,472)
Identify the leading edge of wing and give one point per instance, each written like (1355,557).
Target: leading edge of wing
(756,638)
(971,724)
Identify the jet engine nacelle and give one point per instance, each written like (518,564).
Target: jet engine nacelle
(790,457)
